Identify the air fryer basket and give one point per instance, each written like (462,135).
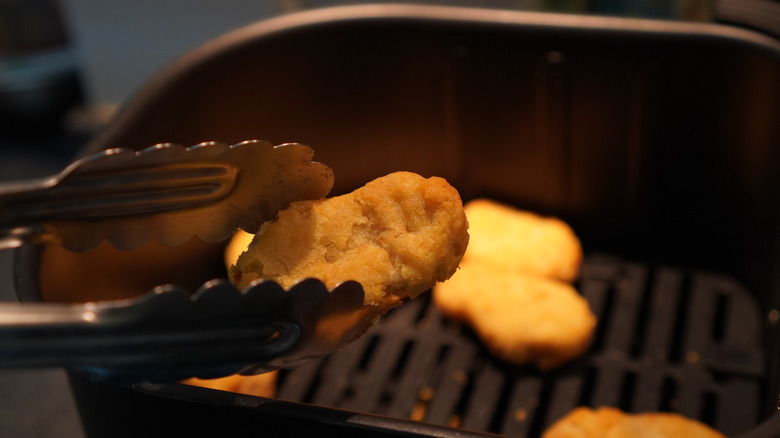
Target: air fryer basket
(657,141)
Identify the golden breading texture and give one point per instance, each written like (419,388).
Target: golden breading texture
(606,422)
(236,246)
(520,318)
(511,287)
(398,236)
(261,385)
(522,241)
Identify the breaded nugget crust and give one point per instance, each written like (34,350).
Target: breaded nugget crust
(520,318)
(236,246)
(606,422)
(512,286)
(398,235)
(260,385)
(522,241)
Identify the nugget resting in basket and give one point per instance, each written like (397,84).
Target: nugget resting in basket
(511,287)
(522,241)
(520,318)
(398,236)
(613,423)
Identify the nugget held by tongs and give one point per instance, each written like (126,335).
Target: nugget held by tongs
(170,193)
(398,236)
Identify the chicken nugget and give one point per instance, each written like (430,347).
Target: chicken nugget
(398,236)
(606,422)
(520,318)
(237,245)
(260,385)
(522,241)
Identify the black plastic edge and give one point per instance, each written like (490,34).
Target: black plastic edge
(760,15)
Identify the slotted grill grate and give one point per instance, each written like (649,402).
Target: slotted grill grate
(667,340)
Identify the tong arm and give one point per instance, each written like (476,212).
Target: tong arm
(166,192)
(164,335)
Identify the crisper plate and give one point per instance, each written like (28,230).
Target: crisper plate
(667,340)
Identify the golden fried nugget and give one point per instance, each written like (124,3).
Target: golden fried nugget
(606,422)
(520,318)
(236,246)
(522,241)
(398,236)
(584,422)
(261,385)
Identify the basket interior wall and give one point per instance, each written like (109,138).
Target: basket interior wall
(660,144)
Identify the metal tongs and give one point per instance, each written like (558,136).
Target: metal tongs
(170,193)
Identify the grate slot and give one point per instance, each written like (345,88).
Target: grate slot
(541,419)
(627,391)
(499,417)
(337,372)
(422,361)
(565,394)
(625,312)
(709,411)
(299,383)
(589,378)
(608,385)
(649,391)
(453,379)
(522,406)
(659,338)
(601,297)
(680,321)
(368,353)
(643,321)
(699,315)
(457,417)
(486,393)
(669,401)
(403,360)
(370,384)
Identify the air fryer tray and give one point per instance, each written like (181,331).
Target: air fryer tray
(655,140)
(667,340)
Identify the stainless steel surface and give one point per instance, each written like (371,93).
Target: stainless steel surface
(169,334)
(165,192)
